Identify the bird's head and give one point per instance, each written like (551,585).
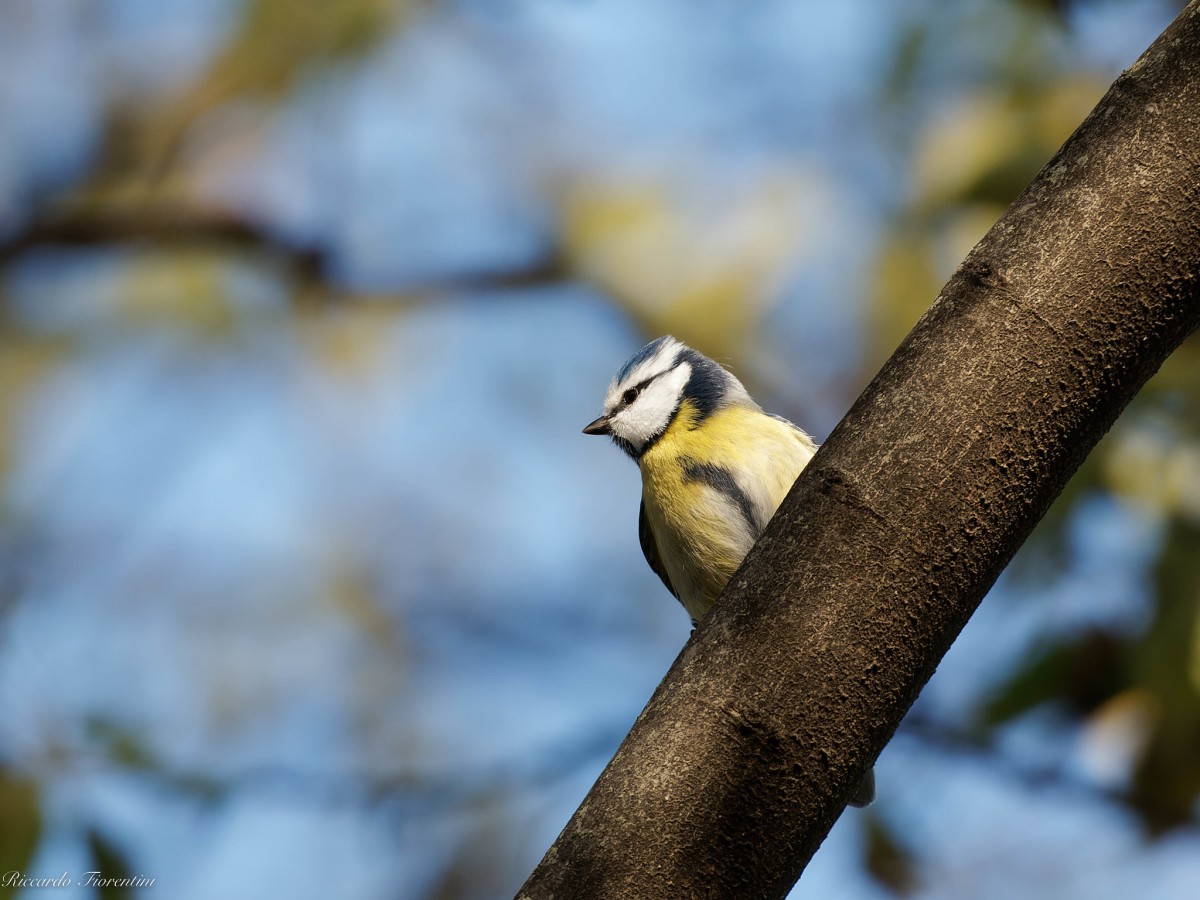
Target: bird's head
(658,382)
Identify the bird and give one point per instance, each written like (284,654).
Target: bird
(714,467)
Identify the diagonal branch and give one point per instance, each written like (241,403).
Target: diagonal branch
(789,689)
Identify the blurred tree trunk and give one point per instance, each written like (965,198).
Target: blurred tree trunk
(789,689)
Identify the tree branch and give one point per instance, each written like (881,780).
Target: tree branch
(166,224)
(789,689)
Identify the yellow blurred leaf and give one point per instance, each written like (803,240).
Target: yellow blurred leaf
(22,364)
(993,140)
(904,285)
(972,137)
(1156,469)
(705,267)
(349,341)
(1059,111)
(1194,667)
(280,38)
(186,288)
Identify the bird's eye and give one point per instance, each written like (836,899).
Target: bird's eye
(629,396)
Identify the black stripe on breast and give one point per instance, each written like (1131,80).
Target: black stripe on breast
(722,481)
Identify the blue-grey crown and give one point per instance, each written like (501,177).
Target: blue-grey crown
(646,353)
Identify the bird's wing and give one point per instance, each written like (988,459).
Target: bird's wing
(807,437)
(650,549)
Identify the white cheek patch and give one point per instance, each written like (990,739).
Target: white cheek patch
(651,412)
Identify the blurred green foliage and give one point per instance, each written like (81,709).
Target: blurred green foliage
(20,826)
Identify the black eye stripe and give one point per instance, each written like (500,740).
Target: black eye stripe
(636,390)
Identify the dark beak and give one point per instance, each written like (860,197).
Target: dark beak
(600,426)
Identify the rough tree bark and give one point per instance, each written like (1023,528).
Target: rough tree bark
(744,757)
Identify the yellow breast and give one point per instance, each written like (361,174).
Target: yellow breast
(710,488)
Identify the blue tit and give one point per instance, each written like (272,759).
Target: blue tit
(715,468)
